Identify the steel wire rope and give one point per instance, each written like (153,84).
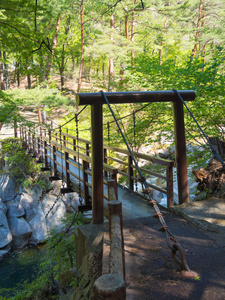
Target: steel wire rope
(202,131)
(62,126)
(137,110)
(169,236)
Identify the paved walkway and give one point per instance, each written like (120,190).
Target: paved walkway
(151,272)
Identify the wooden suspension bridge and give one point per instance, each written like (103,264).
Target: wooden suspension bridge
(85,166)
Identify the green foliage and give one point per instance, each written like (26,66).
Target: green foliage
(19,162)
(51,97)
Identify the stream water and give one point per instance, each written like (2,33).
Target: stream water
(19,267)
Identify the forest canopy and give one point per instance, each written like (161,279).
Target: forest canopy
(127,45)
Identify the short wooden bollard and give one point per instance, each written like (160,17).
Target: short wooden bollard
(112,286)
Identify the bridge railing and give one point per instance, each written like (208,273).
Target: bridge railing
(116,160)
(126,168)
(61,154)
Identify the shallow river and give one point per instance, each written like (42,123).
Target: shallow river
(20,266)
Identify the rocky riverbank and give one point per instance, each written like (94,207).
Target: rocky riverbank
(27,214)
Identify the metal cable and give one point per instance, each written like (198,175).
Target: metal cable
(169,236)
(208,140)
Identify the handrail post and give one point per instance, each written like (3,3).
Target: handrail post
(66,157)
(64,140)
(130,173)
(180,147)
(105,161)
(87,152)
(169,188)
(85,180)
(45,152)
(54,161)
(97,163)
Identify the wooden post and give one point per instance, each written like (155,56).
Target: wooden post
(105,161)
(54,161)
(85,180)
(97,163)
(180,149)
(45,152)
(66,157)
(130,173)
(169,187)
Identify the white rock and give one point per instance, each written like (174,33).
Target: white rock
(5,234)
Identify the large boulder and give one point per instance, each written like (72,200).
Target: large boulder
(5,234)
(3,207)
(15,210)
(71,201)
(38,226)
(30,206)
(7,187)
(54,210)
(20,230)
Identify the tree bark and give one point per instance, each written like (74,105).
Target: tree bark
(53,47)
(82,45)
(111,63)
(2,86)
(6,74)
(197,35)
(132,35)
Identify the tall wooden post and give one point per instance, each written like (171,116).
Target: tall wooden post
(97,163)
(180,149)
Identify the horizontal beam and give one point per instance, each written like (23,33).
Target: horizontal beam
(134,97)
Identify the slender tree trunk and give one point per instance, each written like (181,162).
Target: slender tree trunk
(6,74)
(28,76)
(132,35)
(53,47)
(62,68)
(197,35)
(17,74)
(127,27)
(2,86)
(82,45)
(111,63)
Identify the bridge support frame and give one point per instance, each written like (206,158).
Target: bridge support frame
(96,101)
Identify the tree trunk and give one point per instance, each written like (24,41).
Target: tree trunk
(111,63)
(2,86)
(200,10)
(132,35)
(53,47)
(17,74)
(82,45)
(6,74)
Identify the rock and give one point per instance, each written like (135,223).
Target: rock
(7,187)
(55,210)
(20,230)
(71,201)
(30,206)
(3,207)
(38,226)
(15,210)
(5,251)
(5,234)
